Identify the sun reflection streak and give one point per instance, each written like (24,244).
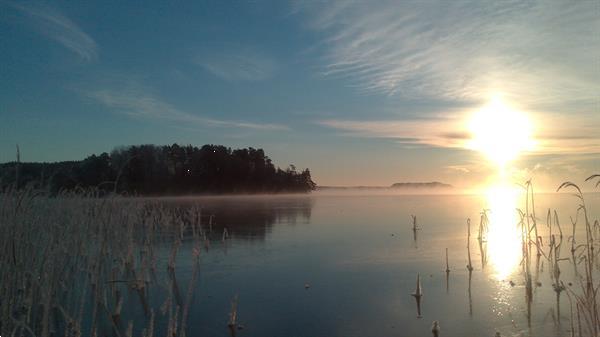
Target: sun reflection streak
(503,237)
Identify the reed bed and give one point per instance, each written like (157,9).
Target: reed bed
(80,265)
(584,254)
(582,293)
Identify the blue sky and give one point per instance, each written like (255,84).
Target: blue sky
(361,93)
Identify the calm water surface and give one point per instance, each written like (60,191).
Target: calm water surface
(360,259)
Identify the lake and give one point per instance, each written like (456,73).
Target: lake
(346,265)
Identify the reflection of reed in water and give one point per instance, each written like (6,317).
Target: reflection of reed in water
(418,294)
(435,329)
(232,322)
(447,272)
(415,228)
(469,291)
(469,265)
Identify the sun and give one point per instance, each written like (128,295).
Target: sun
(500,133)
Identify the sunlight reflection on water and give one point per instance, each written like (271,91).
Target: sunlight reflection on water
(504,237)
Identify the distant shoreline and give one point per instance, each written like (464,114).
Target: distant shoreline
(395,186)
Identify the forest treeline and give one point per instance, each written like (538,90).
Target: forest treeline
(163,170)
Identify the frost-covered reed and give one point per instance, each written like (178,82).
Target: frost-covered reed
(80,265)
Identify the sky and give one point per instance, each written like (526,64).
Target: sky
(362,93)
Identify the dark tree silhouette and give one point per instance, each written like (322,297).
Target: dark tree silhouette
(164,170)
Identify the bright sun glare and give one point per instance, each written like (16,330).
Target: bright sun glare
(504,238)
(500,132)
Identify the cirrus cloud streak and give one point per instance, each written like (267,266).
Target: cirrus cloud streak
(540,54)
(136,101)
(52,23)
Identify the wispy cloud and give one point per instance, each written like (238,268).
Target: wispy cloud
(555,134)
(429,132)
(136,101)
(540,54)
(238,64)
(55,25)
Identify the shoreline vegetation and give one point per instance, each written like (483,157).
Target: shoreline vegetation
(169,170)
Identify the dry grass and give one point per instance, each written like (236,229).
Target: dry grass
(583,293)
(69,264)
(584,252)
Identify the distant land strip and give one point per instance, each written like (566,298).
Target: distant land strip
(399,186)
